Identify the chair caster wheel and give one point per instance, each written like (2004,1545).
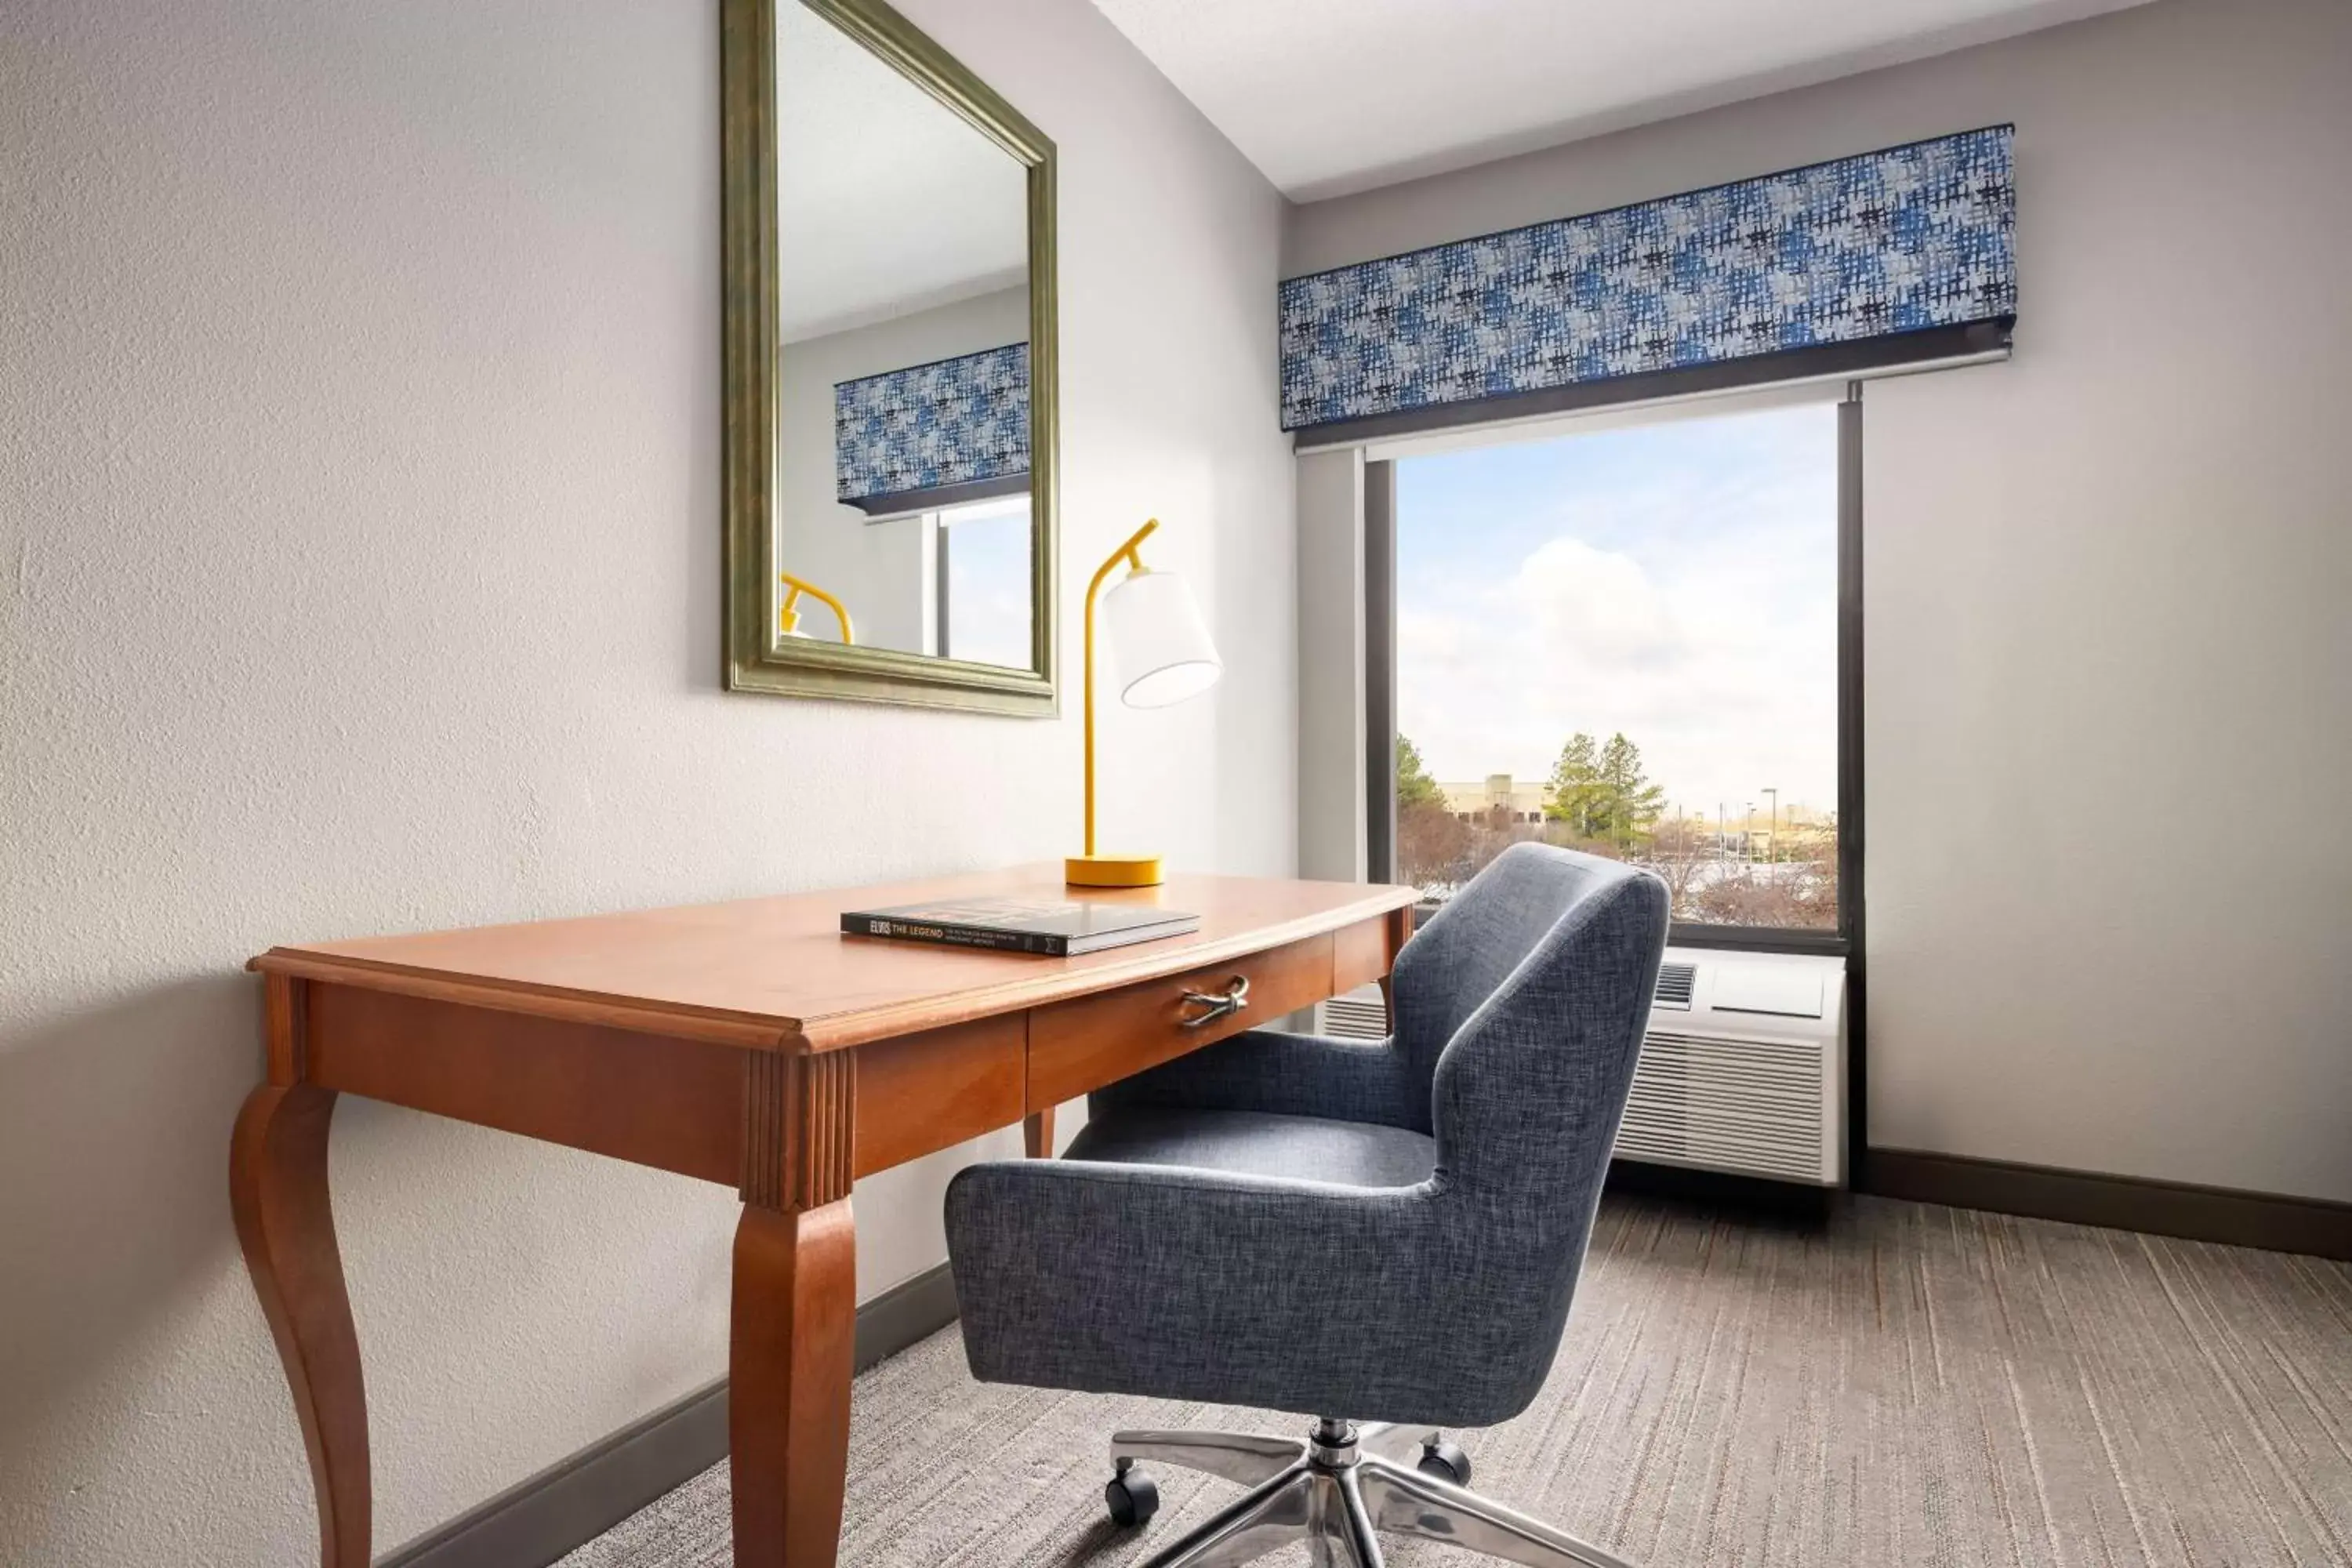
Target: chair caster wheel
(1132,1497)
(1445,1462)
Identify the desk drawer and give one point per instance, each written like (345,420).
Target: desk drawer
(1083,1044)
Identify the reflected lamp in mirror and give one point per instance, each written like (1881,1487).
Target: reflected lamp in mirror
(1161,650)
(788,614)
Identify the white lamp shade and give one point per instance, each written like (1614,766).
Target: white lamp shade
(1159,643)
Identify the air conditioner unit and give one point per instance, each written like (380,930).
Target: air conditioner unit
(1742,1071)
(1360,1014)
(1743,1068)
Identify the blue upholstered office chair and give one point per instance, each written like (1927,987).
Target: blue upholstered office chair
(1386,1234)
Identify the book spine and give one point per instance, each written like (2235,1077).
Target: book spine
(1044,943)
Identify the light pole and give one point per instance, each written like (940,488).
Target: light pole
(1775,840)
(1747,833)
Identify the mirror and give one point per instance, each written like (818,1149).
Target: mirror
(889,365)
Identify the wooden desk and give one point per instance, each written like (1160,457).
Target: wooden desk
(748,1044)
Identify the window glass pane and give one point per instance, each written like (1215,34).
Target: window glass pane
(986,613)
(1626,642)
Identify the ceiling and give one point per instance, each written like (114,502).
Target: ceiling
(1332,96)
(887,201)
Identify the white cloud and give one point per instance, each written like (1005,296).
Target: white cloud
(1591,606)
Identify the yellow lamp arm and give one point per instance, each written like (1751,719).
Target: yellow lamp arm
(787,618)
(1126,553)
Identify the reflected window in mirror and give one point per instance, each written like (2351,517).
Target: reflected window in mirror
(983,573)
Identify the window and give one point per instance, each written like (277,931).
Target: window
(1626,641)
(984,582)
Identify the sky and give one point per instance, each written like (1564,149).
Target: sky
(987,582)
(1676,581)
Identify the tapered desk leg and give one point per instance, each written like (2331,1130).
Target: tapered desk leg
(791,1350)
(277,1191)
(1037,1134)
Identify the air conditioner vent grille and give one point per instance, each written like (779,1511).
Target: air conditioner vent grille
(1754,1106)
(1676,983)
(1361,1015)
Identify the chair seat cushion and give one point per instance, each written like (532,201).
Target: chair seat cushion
(1256,1144)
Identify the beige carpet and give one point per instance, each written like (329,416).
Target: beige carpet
(1909,1385)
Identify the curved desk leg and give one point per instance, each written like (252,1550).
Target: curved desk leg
(791,1348)
(277,1191)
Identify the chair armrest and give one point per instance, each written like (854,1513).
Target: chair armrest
(1194,1284)
(1284,1075)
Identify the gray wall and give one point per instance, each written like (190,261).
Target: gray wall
(359,572)
(2109,657)
(1331,802)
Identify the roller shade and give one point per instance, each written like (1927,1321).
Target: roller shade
(934,434)
(1856,256)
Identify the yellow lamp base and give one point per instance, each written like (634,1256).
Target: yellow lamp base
(1112,870)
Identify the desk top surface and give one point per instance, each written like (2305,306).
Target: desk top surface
(778,970)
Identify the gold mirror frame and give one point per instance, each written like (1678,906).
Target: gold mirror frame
(758,659)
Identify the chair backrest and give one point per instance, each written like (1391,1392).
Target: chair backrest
(1522,1005)
(1524,1002)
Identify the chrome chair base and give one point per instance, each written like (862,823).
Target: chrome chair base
(1335,1490)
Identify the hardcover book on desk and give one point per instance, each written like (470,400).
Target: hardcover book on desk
(1051,928)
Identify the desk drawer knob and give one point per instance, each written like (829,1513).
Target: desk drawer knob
(1219,1003)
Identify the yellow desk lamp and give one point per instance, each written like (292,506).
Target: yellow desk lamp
(788,616)
(1161,648)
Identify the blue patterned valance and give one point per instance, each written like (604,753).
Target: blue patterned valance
(951,430)
(1895,242)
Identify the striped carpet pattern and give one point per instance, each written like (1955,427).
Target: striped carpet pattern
(1905,1385)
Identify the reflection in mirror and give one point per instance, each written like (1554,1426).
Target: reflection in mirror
(983,582)
(903,312)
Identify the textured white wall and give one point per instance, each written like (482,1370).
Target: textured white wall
(359,572)
(2108,657)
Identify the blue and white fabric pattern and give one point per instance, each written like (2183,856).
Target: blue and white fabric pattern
(1896,241)
(952,422)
